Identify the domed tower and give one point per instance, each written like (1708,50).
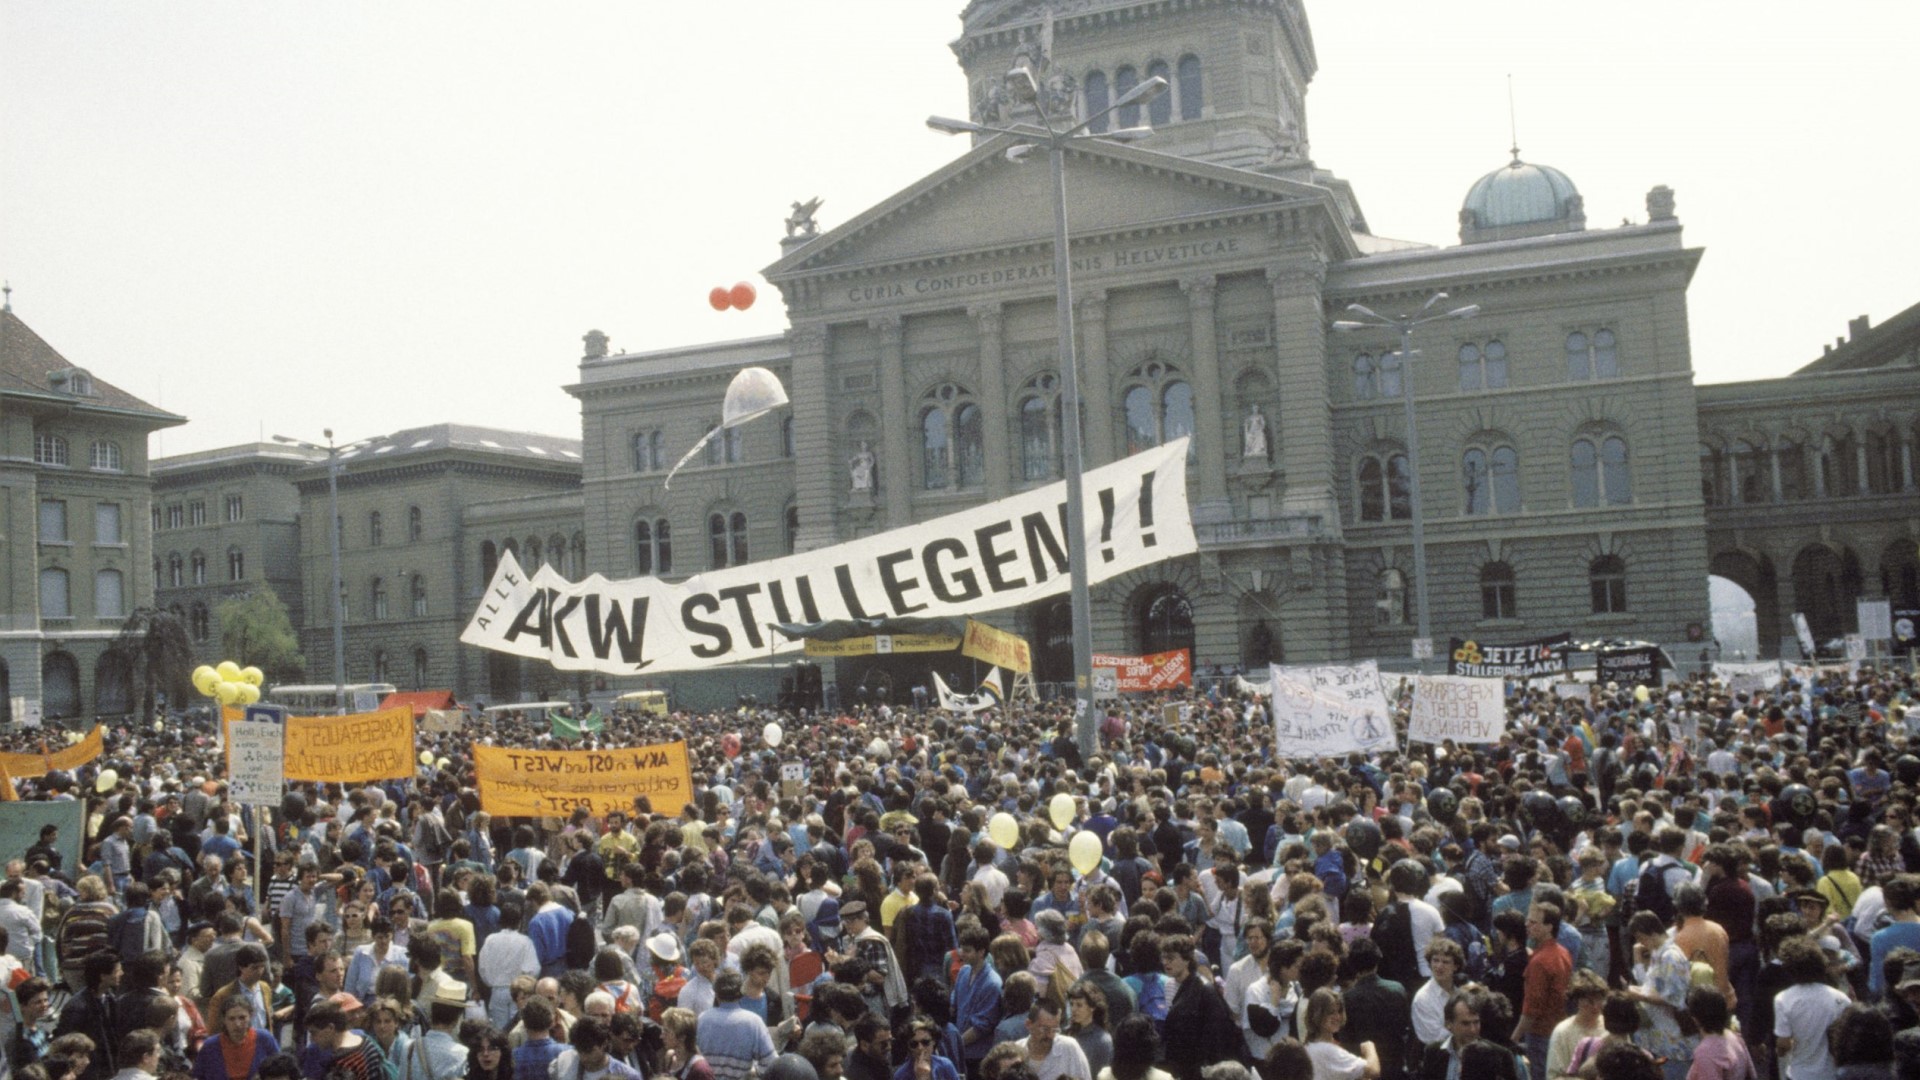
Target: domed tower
(1237,71)
(1520,199)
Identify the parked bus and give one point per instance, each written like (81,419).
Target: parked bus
(325,699)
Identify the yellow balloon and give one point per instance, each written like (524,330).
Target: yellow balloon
(442,763)
(252,676)
(249,693)
(228,670)
(1004,830)
(1084,851)
(1640,694)
(1060,809)
(204,678)
(426,757)
(227,692)
(106,781)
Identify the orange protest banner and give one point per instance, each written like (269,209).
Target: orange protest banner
(996,647)
(351,749)
(25,766)
(555,783)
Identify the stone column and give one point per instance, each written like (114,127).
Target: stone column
(1773,463)
(818,487)
(1212,504)
(1819,455)
(1860,461)
(994,406)
(1906,465)
(1304,421)
(1096,380)
(896,471)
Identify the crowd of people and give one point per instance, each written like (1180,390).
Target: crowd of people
(1682,883)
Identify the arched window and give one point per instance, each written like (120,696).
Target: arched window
(715,450)
(1384,486)
(653,546)
(236,565)
(1160,109)
(199,563)
(1839,468)
(1158,407)
(112,684)
(49,450)
(557,553)
(1600,477)
(1592,357)
(197,622)
(1390,598)
(1097,101)
(1125,78)
(737,537)
(736,451)
(1792,457)
(791,529)
(952,440)
(1166,621)
(579,569)
(717,541)
(1713,472)
(380,671)
(726,539)
(647,451)
(1491,477)
(1483,367)
(1192,98)
(59,685)
(419,668)
(1751,473)
(1390,375)
(1883,461)
(1365,384)
(55,596)
(1496,592)
(175,577)
(1607,581)
(379,598)
(109,594)
(376,535)
(489,560)
(1040,434)
(416,524)
(418,591)
(104,456)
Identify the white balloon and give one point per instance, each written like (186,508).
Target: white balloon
(772,733)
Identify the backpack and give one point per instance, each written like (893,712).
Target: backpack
(1479,951)
(127,934)
(1393,932)
(1649,892)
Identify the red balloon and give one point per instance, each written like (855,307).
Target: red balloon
(720,298)
(742,296)
(730,745)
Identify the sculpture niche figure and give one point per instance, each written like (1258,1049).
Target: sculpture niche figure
(1253,436)
(860,468)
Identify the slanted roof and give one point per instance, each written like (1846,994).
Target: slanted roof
(450,436)
(27,363)
(1892,342)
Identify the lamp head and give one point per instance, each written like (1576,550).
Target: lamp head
(1467,312)
(1143,92)
(1362,309)
(1348,325)
(1021,85)
(1129,134)
(946,125)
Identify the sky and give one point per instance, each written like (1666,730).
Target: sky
(281,218)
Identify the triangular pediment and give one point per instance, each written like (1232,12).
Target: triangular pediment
(983,202)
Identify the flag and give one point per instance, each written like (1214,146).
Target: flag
(969,703)
(989,690)
(566,727)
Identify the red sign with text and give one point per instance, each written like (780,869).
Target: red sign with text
(1155,671)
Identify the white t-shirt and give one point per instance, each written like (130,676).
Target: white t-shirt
(1066,1060)
(1430,1013)
(1803,1013)
(1331,1062)
(1426,923)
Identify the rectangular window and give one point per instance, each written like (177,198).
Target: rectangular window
(197,513)
(106,523)
(53,594)
(109,600)
(234,509)
(53,521)
(176,516)
(156,519)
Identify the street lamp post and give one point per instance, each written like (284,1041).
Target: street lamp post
(1405,324)
(1055,140)
(333,536)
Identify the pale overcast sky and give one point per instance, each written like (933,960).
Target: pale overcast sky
(276,217)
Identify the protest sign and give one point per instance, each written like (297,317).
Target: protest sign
(1467,711)
(1540,656)
(555,783)
(351,749)
(1003,554)
(992,645)
(1748,678)
(882,645)
(443,721)
(1876,619)
(1638,666)
(256,762)
(1329,709)
(1571,691)
(1144,674)
(25,766)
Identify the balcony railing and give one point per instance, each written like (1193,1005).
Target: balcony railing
(1259,530)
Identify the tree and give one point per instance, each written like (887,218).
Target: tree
(255,629)
(159,655)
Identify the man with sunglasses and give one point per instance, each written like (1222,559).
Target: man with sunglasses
(923,1036)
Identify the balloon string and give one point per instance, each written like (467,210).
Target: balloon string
(688,456)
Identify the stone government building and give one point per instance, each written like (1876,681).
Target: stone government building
(1574,476)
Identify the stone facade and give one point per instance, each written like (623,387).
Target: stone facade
(76,536)
(226,522)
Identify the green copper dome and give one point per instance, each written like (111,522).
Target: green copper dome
(1520,194)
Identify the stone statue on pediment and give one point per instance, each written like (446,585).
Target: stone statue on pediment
(860,468)
(1253,436)
(800,222)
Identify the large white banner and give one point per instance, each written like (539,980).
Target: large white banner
(1329,709)
(1000,555)
(1748,678)
(1469,711)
